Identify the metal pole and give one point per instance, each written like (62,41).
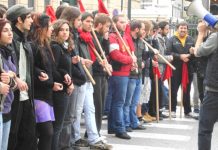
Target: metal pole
(121,8)
(129,9)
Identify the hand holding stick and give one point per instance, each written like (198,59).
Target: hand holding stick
(167,62)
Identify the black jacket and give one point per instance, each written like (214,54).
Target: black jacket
(63,62)
(175,48)
(77,72)
(96,67)
(43,63)
(19,37)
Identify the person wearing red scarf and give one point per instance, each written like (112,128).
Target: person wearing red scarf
(178,46)
(86,103)
(101,24)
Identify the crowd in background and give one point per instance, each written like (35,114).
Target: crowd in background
(48,68)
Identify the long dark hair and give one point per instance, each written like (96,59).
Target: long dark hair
(57,26)
(70,14)
(38,33)
(3,22)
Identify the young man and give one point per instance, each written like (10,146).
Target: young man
(85,94)
(121,63)
(137,29)
(162,40)
(22,133)
(178,46)
(209,108)
(102,24)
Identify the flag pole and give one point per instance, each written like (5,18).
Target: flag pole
(102,52)
(120,37)
(181,103)
(100,59)
(88,74)
(157,98)
(170,99)
(166,61)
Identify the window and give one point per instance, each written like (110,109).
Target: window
(30,3)
(11,3)
(47,2)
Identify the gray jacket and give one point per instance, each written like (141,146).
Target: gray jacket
(162,50)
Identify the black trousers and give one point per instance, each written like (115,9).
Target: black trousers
(201,88)
(152,101)
(100,91)
(23,126)
(60,104)
(176,82)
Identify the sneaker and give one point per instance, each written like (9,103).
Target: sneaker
(173,114)
(123,135)
(196,110)
(146,118)
(140,127)
(128,129)
(195,116)
(164,116)
(81,143)
(104,117)
(189,115)
(100,145)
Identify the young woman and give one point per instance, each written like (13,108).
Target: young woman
(73,15)
(44,72)
(7,69)
(61,45)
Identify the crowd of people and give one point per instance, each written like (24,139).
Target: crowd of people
(87,63)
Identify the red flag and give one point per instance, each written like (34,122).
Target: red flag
(185,79)
(156,71)
(167,73)
(81,7)
(128,38)
(101,7)
(50,12)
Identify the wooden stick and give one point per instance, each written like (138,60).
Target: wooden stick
(88,74)
(181,104)
(99,45)
(102,52)
(100,59)
(157,99)
(167,62)
(170,99)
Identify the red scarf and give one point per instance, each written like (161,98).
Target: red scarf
(185,79)
(87,37)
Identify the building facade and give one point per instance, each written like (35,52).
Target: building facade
(90,5)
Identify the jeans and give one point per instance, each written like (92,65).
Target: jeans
(61,100)
(207,119)
(84,99)
(5,136)
(1,129)
(196,93)
(165,94)
(67,133)
(131,102)
(108,100)
(116,115)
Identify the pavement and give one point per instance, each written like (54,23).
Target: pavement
(175,134)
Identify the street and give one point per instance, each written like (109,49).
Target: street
(175,134)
